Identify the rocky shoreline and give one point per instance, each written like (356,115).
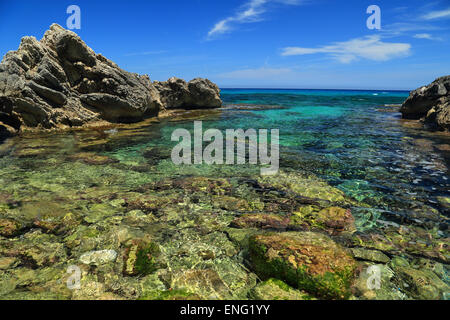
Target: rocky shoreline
(430,104)
(59,82)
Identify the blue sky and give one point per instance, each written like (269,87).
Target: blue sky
(255,43)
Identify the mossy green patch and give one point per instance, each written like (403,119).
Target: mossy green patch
(141,258)
(305,260)
(275,289)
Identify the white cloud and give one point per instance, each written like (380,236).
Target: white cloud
(369,47)
(426,36)
(259,73)
(250,12)
(437,14)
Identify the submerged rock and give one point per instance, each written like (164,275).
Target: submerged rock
(420,284)
(333,220)
(274,289)
(141,258)
(98,257)
(204,283)
(370,255)
(9,228)
(306,260)
(60,82)
(261,221)
(368,287)
(431,103)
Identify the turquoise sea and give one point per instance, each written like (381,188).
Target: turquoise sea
(385,183)
(353,139)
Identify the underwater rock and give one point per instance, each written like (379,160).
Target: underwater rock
(413,240)
(308,187)
(98,257)
(92,158)
(151,203)
(9,228)
(365,288)
(60,82)
(306,260)
(274,289)
(197,93)
(369,255)
(204,283)
(333,220)
(35,249)
(432,103)
(261,221)
(230,203)
(8,262)
(141,257)
(420,284)
(154,289)
(156,154)
(205,185)
(57,224)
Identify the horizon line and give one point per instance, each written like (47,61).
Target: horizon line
(328,89)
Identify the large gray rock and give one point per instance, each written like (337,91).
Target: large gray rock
(431,104)
(60,82)
(197,93)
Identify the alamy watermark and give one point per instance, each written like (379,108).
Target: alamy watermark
(213,153)
(74,20)
(73,281)
(374,21)
(374,279)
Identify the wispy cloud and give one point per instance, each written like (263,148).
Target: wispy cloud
(369,47)
(258,73)
(400,28)
(439,14)
(427,36)
(145,53)
(252,11)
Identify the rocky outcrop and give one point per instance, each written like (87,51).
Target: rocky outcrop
(431,104)
(197,93)
(60,82)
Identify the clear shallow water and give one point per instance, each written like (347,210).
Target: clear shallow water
(392,173)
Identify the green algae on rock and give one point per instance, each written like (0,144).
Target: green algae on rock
(141,258)
(274,289)
(333,220)
(306,260)
(369,255)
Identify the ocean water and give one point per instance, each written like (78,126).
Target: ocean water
(77,191)
(354,140)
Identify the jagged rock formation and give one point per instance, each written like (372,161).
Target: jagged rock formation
(431,104)
(60,82)
(177,93)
